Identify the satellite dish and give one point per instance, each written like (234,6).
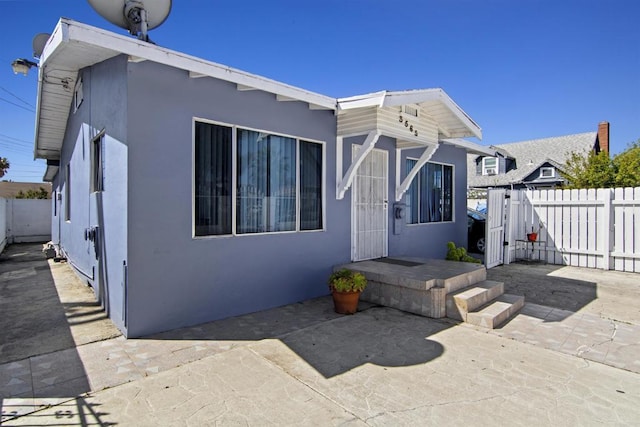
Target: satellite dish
(39,41)
(136,16)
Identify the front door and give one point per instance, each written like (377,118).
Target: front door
(369,206)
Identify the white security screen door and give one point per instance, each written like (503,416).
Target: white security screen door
(494,249)
(369,207)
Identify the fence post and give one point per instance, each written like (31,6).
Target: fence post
(605,193)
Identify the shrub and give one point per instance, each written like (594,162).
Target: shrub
(459,254)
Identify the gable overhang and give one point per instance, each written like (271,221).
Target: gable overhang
(74,46)
(438,121)
(451,120)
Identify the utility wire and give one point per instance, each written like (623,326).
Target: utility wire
(18,105)
(15,139)
(17,97)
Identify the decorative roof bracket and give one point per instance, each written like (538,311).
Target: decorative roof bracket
(367,146)
(426,156)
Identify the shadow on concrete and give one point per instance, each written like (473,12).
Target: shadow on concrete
(333,344)
(39,363)
(33,319)
(380,336)
(538,284)
(72,412)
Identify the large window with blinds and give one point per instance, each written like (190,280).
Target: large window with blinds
(430,196)
(274,185)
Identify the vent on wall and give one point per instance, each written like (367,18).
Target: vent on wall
(410,110)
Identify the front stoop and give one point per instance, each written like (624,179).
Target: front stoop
(483,304)
(471,298)
(497,312)
(436,289)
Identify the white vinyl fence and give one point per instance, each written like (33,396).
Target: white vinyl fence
(24,220)
(584,228)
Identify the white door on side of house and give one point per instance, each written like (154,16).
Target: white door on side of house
(369,202)
(494,234)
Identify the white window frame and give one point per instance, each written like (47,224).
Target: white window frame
(78,95)
(234,171)
(485,167)
(453,189)
(547,169)
(67,193)
(97,162)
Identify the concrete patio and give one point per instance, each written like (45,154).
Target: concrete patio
(303,364)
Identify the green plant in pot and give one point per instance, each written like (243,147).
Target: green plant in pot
(346,286)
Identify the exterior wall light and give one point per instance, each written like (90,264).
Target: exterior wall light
(22,66)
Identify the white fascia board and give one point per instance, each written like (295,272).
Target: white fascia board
(375,99)
(461,115)
(119,44)
(36,150)
(470,147)
(411,97)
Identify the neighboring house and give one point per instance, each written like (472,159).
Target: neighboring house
(187,191)
(10,189)
(534,164)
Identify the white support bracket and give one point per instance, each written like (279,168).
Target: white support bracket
(367,146)
(426,156)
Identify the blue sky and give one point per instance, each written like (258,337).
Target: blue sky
(521,69)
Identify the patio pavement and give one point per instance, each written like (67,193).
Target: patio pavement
(303,364)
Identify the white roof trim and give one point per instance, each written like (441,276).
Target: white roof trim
(70,35)
(471,147)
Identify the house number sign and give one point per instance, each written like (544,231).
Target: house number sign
(408,125)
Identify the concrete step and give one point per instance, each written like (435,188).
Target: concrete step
(497,312)
(462,302)
(475,273)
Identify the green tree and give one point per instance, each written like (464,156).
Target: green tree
(591,171)
(627,166)
(4,166)
(40,193)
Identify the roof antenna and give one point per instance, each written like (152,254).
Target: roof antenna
(136,16)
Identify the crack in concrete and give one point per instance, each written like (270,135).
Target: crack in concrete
(584,349)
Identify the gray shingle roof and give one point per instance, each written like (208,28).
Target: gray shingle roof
(530,155)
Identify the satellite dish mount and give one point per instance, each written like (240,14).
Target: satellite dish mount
(136,16)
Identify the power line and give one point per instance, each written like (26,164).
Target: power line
(15,139)
(17,97)
(18,105)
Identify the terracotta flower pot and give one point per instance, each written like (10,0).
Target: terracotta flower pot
(345,302)
(532,237)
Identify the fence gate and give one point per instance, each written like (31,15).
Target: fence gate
(494,233)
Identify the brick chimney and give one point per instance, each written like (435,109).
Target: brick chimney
(603,136)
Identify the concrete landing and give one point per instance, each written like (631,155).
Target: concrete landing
(415,285)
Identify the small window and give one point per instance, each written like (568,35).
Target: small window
(78,96)
(67,194)
(97,147)
(489,166)
(547,172)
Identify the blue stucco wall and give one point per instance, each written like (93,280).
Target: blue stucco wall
(176,280)
(103,107)
(430,240)
(421,240)
(145,211)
